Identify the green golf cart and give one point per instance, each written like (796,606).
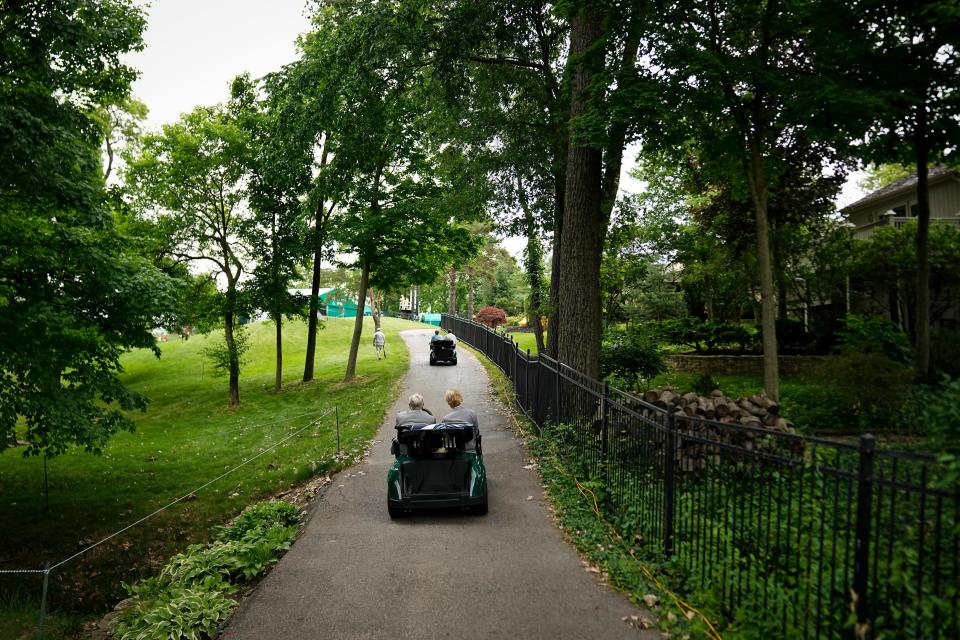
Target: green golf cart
(437,466)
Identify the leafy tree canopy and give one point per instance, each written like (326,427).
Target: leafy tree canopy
(74,293)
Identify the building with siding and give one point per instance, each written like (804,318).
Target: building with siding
(896,204)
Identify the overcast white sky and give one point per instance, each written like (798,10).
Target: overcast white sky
(194,48)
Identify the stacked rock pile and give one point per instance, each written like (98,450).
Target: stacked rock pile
(754,411)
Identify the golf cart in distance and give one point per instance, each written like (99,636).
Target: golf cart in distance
(435,466)
(443,350)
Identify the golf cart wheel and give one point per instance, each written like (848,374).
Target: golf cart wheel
(433,360)
(395,512)
(454,361)
(480,509)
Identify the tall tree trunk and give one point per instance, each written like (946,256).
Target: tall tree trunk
(277,311)
(768,304)
(560,194)
(375,307)
(578,336)
(708,298)
(364,283)
(233,356)
(452,295)
(278,380)
(358,323)
(320,218)
(470,313)
(533,259)
(922,356)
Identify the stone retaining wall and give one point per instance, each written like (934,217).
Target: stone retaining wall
(744,365)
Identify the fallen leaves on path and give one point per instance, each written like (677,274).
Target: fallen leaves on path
(638,622)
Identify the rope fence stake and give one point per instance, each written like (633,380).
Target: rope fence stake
(43,600)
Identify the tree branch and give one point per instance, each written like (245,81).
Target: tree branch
(509,62)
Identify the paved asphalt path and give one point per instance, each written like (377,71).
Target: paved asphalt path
(354,573)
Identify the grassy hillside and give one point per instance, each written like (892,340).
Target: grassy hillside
(187,437)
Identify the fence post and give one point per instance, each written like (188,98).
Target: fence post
(669,488)
(605,440)
(540,405)
(43,599)
(557,404)
(526,384)
(336,411)
(604,419)
(861,558)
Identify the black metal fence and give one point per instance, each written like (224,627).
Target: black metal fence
(785,535)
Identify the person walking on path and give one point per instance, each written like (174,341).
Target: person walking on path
(379,343)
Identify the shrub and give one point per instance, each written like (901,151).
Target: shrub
(945,353)
(199,565)
(686,331)
(189,597)
(513,321)
(726,334)
(938,408)
(873,334)
(703,336)
(174,613)
(631,356)
(858,392)
(219,355)
(704,384)
(493,317)
(261,516)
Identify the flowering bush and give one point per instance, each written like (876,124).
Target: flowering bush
(493,317)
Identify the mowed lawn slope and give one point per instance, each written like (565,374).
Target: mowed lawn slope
(187,437)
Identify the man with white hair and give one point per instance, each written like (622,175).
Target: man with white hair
(417,414)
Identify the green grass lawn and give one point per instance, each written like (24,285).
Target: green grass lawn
(186,438)
(526,340)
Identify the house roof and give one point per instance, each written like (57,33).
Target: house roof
(903,185)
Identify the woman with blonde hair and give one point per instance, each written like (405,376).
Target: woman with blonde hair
(458,412)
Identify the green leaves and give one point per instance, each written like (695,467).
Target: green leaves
(403,192)
(191,177)
(632,357)
(190,613)
(74,293)
(189,599)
